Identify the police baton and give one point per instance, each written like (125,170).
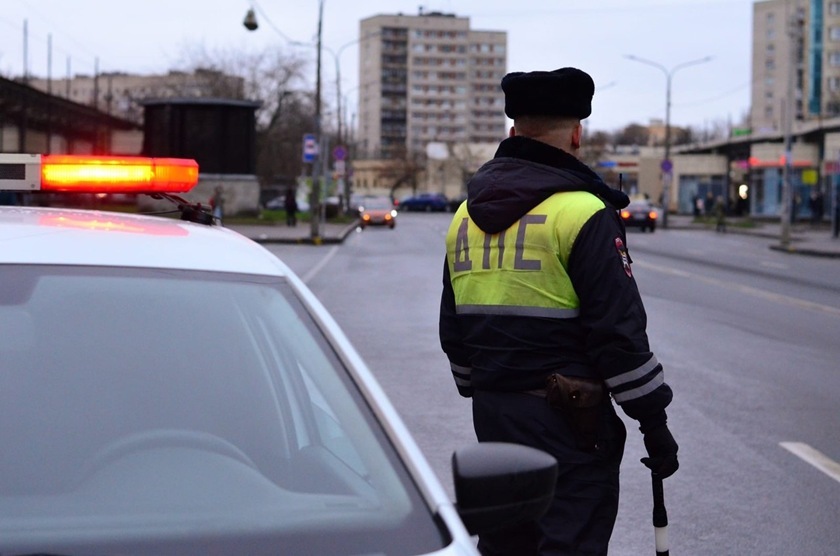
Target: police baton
(660,517)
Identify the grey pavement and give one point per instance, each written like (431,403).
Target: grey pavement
(328,232)
(803,239)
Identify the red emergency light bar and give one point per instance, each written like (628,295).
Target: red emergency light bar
(117,174)
(97,174)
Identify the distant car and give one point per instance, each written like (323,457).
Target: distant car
(639,214)
(377,211)
(426,202)
(168,386)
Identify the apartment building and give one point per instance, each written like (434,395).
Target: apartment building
(796,54)
(122,94)
(428,78)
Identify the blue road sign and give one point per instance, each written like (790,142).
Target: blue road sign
(310,148)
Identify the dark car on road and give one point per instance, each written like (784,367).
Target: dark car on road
(639,214)
(426,202)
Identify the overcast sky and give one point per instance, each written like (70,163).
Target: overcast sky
(151,36)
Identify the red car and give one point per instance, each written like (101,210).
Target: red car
(377,211)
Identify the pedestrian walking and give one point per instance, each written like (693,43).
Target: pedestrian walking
(720,214)
(291,207)
(542,321)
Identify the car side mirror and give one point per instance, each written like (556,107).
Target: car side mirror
(499,485)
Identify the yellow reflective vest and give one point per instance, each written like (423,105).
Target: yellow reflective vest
(522,270)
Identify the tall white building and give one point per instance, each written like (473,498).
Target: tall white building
(428,78)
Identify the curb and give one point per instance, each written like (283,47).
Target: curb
(810,252)
(307,240)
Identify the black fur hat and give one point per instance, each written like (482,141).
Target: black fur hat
(565,92)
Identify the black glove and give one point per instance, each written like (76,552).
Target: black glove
(662,452)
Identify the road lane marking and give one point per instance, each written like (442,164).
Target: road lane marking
(814,457)
(748,290)
(317,268)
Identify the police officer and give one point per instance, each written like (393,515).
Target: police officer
(542,321)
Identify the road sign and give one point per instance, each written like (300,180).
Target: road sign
(310,148)
(340,153)
(667,166)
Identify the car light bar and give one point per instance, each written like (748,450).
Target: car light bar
(96,174)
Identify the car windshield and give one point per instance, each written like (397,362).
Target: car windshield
(139,404)
(377,203)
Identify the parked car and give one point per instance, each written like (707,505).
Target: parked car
(640,214)
(377,211)
(427,202)
(168,386)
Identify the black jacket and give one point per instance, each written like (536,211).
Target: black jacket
(608,340)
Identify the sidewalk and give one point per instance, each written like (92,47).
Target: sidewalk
(328,233)
(804,240)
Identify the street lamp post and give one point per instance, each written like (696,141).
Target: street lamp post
(250,23)
(666,161)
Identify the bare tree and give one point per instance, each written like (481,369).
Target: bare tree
(633,134)
(404,170)
(266,75)
(276,79)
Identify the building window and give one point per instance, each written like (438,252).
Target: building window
(834,58)
(834,33)
(834,8)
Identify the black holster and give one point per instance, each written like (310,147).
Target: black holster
(580,400)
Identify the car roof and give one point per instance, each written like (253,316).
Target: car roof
(38,235)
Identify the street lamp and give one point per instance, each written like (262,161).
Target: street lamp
(250,23)
(666,161)
(336,55)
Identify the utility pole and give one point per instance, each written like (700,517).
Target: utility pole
(789,112)
(667,165)
(317,166)
(317,172)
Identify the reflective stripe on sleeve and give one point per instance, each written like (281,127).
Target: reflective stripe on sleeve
(646,388)
(461,375)
(635,374)
(518,310)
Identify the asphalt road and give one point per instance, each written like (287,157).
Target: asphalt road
(750,339)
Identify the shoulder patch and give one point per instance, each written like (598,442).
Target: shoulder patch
(625,259)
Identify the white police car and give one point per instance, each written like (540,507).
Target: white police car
(170,387)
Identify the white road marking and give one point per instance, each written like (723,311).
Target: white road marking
(814,457)
(748,290)
(317,268)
